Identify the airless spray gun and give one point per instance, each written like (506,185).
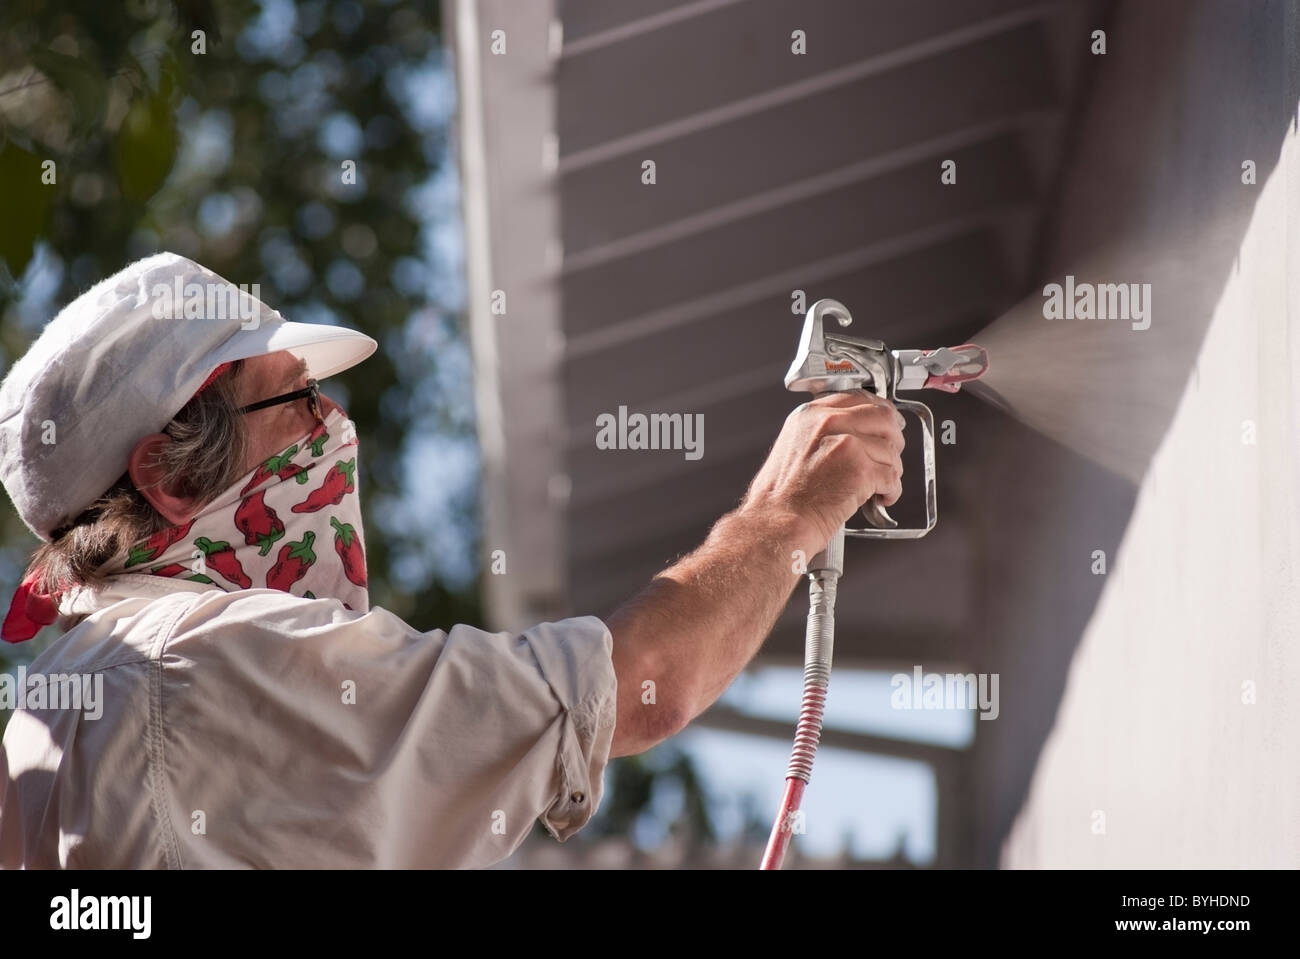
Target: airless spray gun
(827,361)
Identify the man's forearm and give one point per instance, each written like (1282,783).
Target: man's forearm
(698,623)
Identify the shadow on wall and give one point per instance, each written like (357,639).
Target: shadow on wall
(1151,194)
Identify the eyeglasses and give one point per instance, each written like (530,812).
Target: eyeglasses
(310,392)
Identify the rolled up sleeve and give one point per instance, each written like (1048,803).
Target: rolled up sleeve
(587,697)
(315,737)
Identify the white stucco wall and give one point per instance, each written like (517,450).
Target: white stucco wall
(1200,612)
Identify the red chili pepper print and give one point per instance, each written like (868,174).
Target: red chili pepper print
(156,544)
(348,545)
(338,482)
(175,569)
(317,440)
(259,523)
(277,466)
(292,563)
(220,556)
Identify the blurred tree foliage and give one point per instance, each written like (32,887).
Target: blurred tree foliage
(219,130)
(663,781)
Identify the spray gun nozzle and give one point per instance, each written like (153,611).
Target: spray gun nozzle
(946,368)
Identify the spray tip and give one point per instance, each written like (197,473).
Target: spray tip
(946,368)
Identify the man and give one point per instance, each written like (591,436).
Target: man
(225,696)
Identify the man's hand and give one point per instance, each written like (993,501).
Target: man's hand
(700,621)
(833,454)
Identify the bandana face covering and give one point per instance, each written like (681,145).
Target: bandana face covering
(293,524)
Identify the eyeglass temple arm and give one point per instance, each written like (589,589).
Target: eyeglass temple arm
(303,393)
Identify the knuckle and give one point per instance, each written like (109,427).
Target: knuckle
(824,424)
(821,419)
(839,443)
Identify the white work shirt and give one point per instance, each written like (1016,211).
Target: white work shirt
(258,729)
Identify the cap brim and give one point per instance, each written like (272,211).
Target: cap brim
(326,349)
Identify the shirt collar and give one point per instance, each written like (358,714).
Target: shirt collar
(82,600)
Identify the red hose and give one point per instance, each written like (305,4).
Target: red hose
(807,734)
(781,830)
(819,640)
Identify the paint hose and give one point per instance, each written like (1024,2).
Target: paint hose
(819,642)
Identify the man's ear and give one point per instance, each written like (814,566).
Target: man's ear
(146,473)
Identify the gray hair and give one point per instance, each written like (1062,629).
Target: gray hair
(209,442)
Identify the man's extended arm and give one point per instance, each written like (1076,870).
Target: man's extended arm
(699,622)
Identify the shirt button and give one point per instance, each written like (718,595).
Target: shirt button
(577,797)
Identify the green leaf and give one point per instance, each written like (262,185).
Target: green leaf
(145,148)
(25,204)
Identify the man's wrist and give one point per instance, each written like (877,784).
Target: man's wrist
(788,536)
